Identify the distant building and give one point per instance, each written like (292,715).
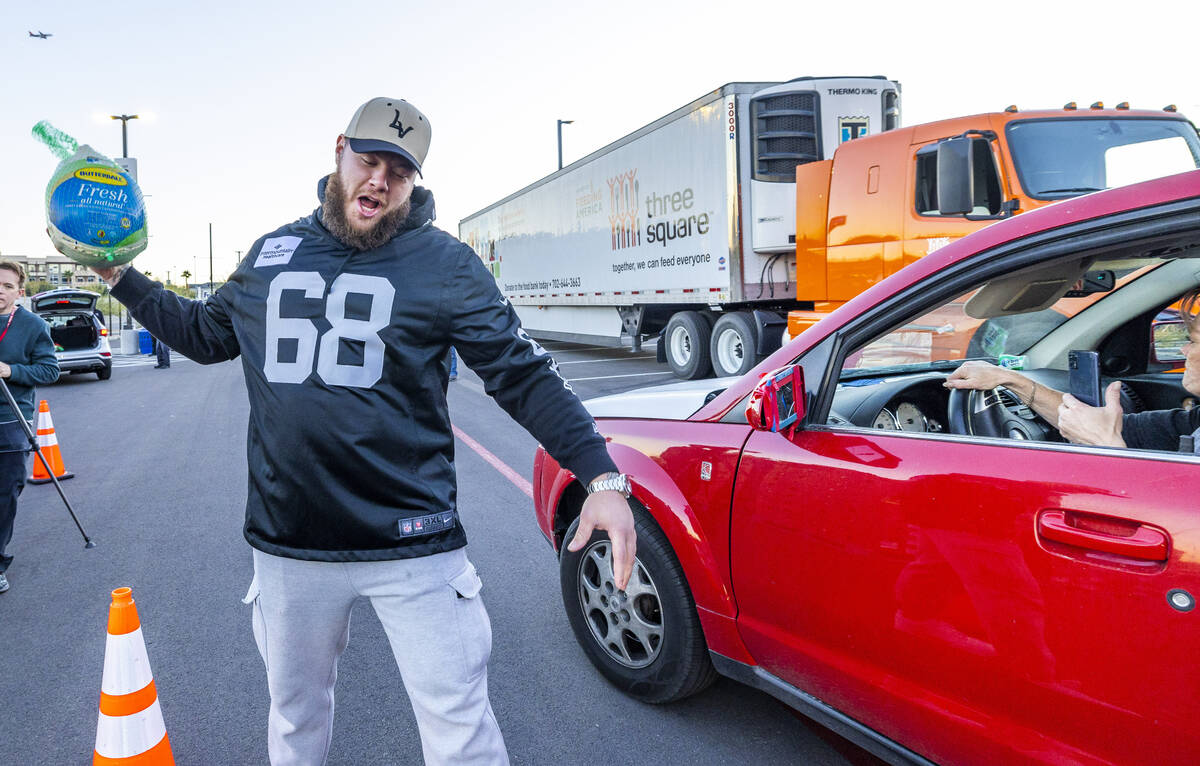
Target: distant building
(58,270)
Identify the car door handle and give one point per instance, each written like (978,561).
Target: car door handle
(1145,543)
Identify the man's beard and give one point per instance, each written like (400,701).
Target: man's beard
(333,214)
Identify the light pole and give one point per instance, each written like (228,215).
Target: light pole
(560,124)
(124,118)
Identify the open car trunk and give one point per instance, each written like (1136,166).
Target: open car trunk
(70,316)
(72,331)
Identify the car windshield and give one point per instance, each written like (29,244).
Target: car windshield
(965,328)
(1056,159)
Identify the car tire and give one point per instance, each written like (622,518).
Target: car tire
(105,372)
(686,338)
(647,641)
(734,344)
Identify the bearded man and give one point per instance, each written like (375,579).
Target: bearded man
(346,317)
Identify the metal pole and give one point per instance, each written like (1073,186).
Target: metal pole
(560,124)
(124,118)
(210,271)
(87,541)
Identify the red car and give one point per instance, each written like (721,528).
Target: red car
(936,577)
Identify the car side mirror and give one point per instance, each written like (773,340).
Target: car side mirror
(1169,336)
(955,177)
(777,402)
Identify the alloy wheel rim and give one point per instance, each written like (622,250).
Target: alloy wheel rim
(627,624)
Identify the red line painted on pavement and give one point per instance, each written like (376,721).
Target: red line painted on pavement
(495,462)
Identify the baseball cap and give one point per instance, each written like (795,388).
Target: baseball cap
(390,125)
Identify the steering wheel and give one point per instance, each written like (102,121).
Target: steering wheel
(985,413)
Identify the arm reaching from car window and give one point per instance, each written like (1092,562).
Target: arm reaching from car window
(1076,421)
(983,377)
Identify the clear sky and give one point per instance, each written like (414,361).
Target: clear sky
(242,101)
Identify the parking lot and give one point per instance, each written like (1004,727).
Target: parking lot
(159,459)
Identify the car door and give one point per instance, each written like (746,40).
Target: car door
(937,591)
(976,599)
(970,598)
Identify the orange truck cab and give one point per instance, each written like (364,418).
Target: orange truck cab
(885,200)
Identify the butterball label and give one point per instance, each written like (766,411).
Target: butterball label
(101,176)
(97,207)
(277,251)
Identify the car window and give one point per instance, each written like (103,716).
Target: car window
(956,330)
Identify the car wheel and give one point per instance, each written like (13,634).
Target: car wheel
(647,641)
(734,344)
(104,373)
(686,339)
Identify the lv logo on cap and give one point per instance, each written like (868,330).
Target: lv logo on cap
(403,131)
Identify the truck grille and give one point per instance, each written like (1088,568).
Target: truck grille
(785,134)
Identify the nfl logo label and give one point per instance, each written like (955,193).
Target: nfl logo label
(406,527)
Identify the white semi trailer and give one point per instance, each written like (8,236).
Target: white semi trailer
(684,228)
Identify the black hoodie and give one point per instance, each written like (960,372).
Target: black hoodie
(350,451)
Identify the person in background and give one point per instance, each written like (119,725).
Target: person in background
(163,354)
(26,360)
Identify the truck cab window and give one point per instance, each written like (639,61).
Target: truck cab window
(1061,158)
(985,181)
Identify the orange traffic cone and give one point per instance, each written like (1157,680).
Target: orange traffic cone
(48,443)
(130,730)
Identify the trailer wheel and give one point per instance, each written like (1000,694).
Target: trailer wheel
(734,344)
(686,338)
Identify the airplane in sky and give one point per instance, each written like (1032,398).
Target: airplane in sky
(41,34)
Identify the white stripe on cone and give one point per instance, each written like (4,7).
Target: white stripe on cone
(46,424)
(126,664)
(129,735)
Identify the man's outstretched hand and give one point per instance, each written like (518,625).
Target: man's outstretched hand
(609,510)
(109,275)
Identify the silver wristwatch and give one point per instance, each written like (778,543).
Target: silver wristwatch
(618,482)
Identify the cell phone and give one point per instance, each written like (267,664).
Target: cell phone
(1083,376)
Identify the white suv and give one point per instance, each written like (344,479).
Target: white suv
(77,329)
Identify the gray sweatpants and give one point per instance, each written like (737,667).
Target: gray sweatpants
(438,629)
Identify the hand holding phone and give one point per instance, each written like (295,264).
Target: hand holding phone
(1084,377)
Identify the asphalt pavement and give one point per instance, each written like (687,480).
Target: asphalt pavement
(160,485)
